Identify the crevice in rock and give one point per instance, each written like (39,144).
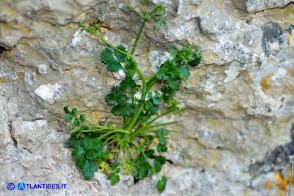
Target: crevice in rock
(136,180)
(201,29)
(170,161)
(2,50)
(28,150)
(259,11)
(12,134)
(276,160)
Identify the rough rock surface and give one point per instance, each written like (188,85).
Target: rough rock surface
(238,126)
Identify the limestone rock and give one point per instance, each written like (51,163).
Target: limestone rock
(253,5)
(237,129)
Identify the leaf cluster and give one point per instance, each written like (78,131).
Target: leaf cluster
(135,147)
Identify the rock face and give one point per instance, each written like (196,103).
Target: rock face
(238,126)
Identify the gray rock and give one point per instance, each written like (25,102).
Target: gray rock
(237,128)
(258,5)
(156,59)
(48,92)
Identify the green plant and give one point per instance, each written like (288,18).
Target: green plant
(136,146)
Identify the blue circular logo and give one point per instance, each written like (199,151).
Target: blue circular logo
(10,186)
(21,186)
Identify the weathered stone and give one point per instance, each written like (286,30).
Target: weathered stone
(157,58)
(259,5)
(237,128)
(49,93)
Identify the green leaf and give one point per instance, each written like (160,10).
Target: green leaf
(119,56)
(161,148)
(82,117)
(161,74)
(196,58)
(66,110)
(110,99)
(123,110)
(104,167)
(107,58)
(130,68)
(74,142)
(162,141)
(80,162)
(184,72)
(127,166)
(159,10)
(143,172)
(127,83)
(156,101)
(150,153)
(68,118)
(76,122)
(149,140)
(158,162)
(90,154)
(147,105)
(157,95)
(89,169)
(162,23)
(78,152)
(161,184)
(161,132)
(115,167)
(128,109)
(86,143)
(114,178)
(74,111)
(173,84)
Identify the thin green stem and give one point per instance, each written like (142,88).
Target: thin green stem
(151,78)
(141,75)
(144,129)
(130,153)
(139,133)
(159,116)
(106,142)
(107,130)
(109,142)
(163,124)
(144,155)
(138,36)
(133,121)
(101,38)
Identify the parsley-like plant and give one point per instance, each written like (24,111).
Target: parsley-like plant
(136,146)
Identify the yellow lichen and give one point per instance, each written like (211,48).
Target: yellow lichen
(265,82)
(281,182)
(95,116)
(188,40)
(291,39)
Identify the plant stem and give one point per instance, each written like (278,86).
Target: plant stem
(141,75)
(157,117)
(101,38)
(143,129)
(144,155)
(133,121)
(163,124)
(130,153)
(138,36)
